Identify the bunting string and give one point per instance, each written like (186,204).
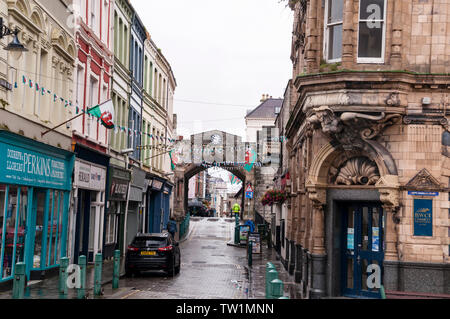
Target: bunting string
(118,129)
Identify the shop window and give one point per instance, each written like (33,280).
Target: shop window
(371,33)
(54,227)
(40,211)
(92,229)
(12,222)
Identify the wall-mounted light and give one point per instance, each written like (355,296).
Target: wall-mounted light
(15,47)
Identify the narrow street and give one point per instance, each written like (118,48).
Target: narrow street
(210,269)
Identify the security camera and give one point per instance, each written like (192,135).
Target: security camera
(127,151)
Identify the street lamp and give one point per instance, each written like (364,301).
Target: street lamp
(15,47)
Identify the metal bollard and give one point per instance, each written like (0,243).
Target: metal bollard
(236,229)
(271,275)
(81,292)
(98,274)
(284,297)
(382,292)
(19,281)
(116,271)
(63,264)
(250,253)
(276,288)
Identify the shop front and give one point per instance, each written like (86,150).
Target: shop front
(119,180)
(158,203)
(135,203)
(89,204)
(35,184)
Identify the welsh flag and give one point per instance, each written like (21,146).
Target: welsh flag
(173,160)
(105,112)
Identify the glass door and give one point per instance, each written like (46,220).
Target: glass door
(362,256)
(40,211)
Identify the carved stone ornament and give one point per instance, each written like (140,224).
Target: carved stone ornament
(393,99)
(351,129)
(358,171)
(423,181)
(388,187)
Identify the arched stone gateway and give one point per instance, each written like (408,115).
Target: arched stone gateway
(212,149)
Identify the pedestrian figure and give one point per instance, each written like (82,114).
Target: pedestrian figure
(172,227)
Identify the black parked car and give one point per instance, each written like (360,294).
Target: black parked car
(153,252)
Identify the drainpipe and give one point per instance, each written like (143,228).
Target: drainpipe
(127,161)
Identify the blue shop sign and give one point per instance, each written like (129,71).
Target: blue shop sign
(423,217)
(24,166)
(417,193)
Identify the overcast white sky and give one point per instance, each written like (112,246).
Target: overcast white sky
(221,52)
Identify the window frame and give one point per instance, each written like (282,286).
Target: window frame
(326,33)
(380,60)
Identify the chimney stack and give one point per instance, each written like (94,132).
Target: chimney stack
(265,97)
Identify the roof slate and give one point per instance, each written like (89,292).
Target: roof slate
(266,110)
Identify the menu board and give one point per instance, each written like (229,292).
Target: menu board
(255,238)
(243,234)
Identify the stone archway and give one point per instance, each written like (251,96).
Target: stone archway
(210,149)
(326,165)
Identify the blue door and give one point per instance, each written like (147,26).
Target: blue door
(362,249)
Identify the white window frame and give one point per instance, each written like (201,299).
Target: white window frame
(327,34)
(383,41)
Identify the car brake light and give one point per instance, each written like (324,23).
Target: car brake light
(131,248)
(165,248)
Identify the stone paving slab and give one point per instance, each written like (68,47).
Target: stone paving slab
(257,281)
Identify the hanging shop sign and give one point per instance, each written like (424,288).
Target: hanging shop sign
(157,185)
(423,217)
(137,184)
(20,165)
(167,189)
(89,176)
(119,180)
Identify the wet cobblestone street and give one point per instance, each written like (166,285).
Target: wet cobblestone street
(210,268)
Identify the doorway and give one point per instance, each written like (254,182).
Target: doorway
(362,252)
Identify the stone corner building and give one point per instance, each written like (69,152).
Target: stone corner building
(368,143)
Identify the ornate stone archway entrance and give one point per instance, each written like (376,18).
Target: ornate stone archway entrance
(206,150)
(352,167)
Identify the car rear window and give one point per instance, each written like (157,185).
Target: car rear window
(149,242)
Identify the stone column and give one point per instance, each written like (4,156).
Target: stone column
(347,36)
(388,186)
(391,261)
(312,33)
(318,230)
(318,250)
(397,29)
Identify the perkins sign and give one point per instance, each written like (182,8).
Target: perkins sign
(30,168)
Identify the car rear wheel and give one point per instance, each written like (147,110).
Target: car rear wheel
(171,272)
(128,273)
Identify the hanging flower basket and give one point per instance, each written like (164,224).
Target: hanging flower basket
(274,197)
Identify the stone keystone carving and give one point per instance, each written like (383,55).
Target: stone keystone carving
(423,181)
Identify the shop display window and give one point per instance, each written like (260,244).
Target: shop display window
(40,211)
(13,208)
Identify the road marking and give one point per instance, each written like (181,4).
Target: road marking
(130,294)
